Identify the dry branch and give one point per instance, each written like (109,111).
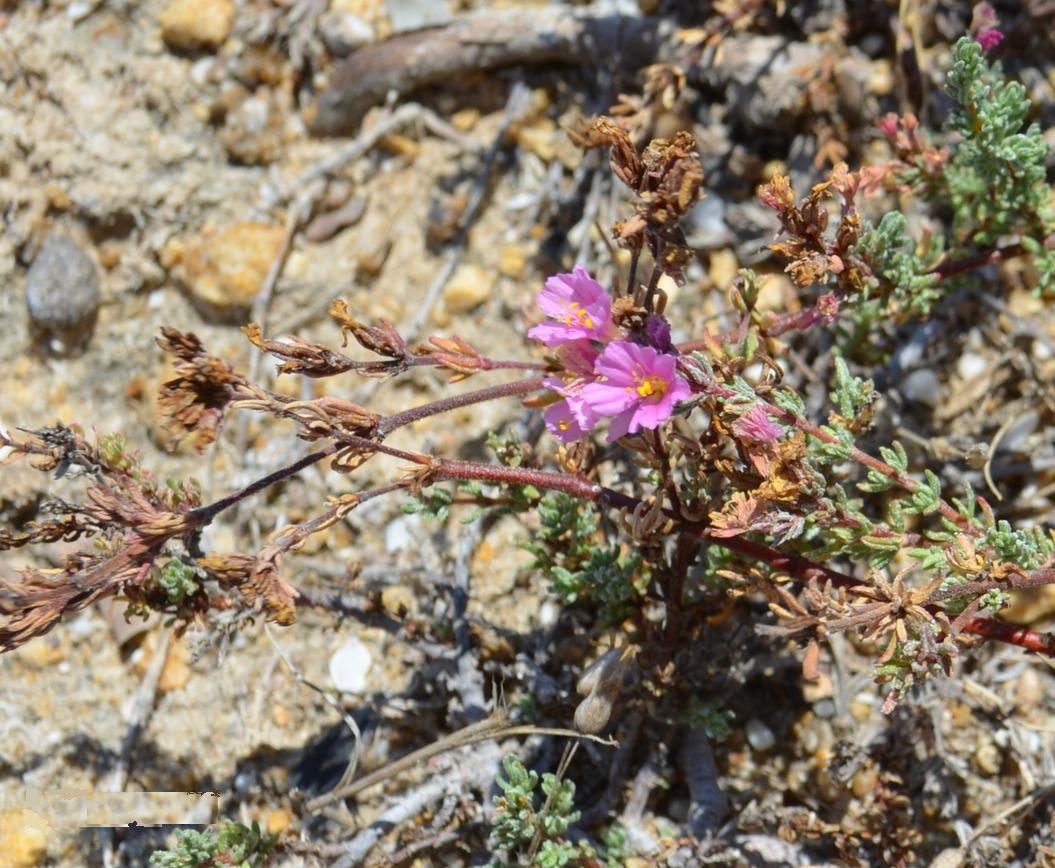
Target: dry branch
(434,55)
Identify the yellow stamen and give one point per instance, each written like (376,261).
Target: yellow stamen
(576,315)
(650,386)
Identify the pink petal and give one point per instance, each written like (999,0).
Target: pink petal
(617,364)
(561,422)
(651,415)
(607,399)
(578,357)
(554,334)
(622,425)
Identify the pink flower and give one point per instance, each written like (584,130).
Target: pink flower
(989,38)
(755,424)
(984,26)
(565,419)
(578,358)
(579,307)
(563,422)
(636,385)
(888,125)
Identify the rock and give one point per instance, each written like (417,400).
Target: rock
(276,822)
(62,294)
(970,365)
(705,226)
(987,758)
(415,14)
(465,119)
(513,260)
(342,32)
(175,672)
(777,293)
(765,79)
(23,838)
(469,287)
(723,268)
(759,735)
(400,533)
(398,601)
(325,226)
(922,386)
(254,131)
(225,271)
(192,25)
(1019,432)
(43,651)
(349,666)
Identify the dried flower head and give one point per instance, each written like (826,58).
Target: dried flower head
(193,401)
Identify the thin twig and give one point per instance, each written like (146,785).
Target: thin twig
(139,715)
(349,721)
(494,727)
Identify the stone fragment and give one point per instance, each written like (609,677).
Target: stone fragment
(193,25)
(723,268)
(225,270)
(759,735)
(342,32)
(415,14)
(469,287)
(922,386)
(23,838)
(62,294)
(254,131)
(276,822)
(350,665)
(398,601)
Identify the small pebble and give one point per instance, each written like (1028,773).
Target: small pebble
(415,14)
(922,387)
(1021,429)
(343,32)
(190,25)
(759,735)
(325,226)
(276,822)
(62,293)
(349,666)
(399,533)
(398,601)
(970,365)
(987,758)
(225,270)
(705,226)
(824,709)
(723,268)
(23,838)
(469,287)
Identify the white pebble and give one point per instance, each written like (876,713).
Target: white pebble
(759,735)
(349,666)
(970,365)
(922,387)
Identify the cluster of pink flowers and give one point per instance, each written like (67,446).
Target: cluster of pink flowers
(604,377)
(985,27)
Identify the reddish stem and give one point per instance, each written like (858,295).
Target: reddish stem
(445,405)
(945,270)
